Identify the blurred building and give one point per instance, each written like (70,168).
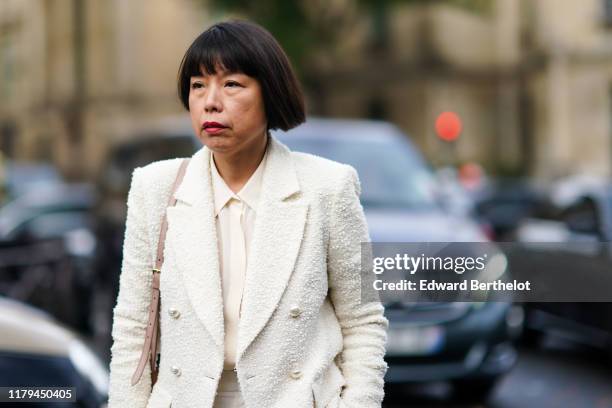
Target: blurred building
(76,75)
(531,79)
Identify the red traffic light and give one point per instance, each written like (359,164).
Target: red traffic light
(448,126)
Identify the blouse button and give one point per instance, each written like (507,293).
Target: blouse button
(295,374)
(174,313)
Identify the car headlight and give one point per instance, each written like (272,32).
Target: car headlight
(89,366)
(495,269)
(80,242)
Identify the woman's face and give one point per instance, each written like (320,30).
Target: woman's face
(235,102)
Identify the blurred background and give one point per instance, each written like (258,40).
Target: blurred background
(88,93)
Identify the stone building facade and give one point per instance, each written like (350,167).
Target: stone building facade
(531,79)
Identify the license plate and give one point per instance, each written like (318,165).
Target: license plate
(416,340)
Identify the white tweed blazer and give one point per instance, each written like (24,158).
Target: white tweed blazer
(305,338)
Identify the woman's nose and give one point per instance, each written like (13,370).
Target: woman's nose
(213,100)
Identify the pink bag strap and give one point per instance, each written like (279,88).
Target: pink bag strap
(149,351)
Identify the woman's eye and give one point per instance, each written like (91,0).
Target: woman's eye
(232,84)
(197,85)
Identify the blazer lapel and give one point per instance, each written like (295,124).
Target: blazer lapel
(277,236)
(193,237)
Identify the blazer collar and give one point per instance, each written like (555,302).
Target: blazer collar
(280,182)
(249,193)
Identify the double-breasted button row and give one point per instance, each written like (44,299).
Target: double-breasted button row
(175,314)
(295,311)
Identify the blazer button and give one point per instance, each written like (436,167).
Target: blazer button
(295,374)
(174,313)
(295,311)
(176,371)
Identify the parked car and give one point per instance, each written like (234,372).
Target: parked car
(507,201)
(469,344)
(49,210)
(576,240)
(36,351)
(20,177)
(47,249)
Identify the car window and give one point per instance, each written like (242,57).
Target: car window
(25,208)
(21,177)
(13,215)
(582,217)
(152,149)
(54,224)
(391,173)
(123,159)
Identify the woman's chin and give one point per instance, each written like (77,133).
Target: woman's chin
(221,144)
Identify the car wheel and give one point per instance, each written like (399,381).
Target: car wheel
(475,390)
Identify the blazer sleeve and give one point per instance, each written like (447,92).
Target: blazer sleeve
(364,326)
(130,312)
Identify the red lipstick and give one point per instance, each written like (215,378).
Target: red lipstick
(212,128)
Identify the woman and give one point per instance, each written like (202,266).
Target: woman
(261,300)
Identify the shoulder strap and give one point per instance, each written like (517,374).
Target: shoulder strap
(149,350)
(159,259)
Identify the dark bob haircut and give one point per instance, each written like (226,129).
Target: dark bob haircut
(245,47)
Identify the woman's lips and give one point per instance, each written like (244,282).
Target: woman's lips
(214,130)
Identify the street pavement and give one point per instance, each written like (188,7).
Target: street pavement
(557,374)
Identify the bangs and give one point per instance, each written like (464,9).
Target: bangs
(215,49)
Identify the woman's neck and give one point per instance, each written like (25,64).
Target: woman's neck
(236,169)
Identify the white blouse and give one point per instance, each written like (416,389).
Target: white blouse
(235,218)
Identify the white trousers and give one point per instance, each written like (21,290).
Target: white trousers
(228,393)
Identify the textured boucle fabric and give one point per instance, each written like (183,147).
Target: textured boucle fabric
(305,257)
